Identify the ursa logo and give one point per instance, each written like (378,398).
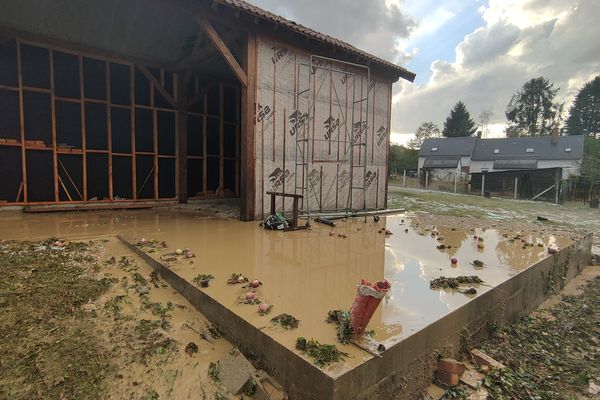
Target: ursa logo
(345,78)
(330,125)
(370,178)
(278,53)
(381,135)
(278,176)
(263,112)
(343,180)
(314,177)
(316,63)
(359,128)
(297,120)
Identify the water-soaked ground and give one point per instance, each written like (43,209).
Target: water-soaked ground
(308,273)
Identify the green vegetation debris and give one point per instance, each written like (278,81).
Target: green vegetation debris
(549,358)
(478,264)
(237,278)
(203,279)
(342,320)
(214,371)
(286,321)
(323,354)
(453,283)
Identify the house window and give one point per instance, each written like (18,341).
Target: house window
(496,151)
(529,150)
(434,149)
(568,149)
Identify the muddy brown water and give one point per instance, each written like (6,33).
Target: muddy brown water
(308,273)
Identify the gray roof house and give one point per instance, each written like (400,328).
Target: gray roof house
(445,153)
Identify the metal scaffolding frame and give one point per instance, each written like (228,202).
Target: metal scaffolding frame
(355,137)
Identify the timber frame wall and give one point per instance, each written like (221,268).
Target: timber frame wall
(77,127)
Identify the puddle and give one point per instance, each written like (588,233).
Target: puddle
(308,273)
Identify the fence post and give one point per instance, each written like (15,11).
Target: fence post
(455,181)
(516,186)
(426,179)
(482,184)
(404,178)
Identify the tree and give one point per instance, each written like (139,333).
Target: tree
(459,123)
(484,120)
(401,158)
(532,110)
(427,130)
(584,114)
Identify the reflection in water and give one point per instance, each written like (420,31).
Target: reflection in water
(308,273)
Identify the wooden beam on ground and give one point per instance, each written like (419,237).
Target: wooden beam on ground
(161,89)
(247,142)
(223,49)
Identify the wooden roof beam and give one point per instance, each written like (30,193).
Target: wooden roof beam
(223,49)
(161,89)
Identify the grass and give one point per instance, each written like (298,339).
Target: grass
(48,345)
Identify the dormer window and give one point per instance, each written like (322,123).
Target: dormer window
(434,149)
(568,149)
(496,151)
(529,150)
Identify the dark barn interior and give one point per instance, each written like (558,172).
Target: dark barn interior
(97,105)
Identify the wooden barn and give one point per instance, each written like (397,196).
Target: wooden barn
(130,102)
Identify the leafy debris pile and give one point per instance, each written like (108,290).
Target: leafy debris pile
(286,321)
(342,321)
(454,283)
(550,358)
(323,354)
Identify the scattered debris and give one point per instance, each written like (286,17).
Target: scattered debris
(214,371)
(544,219)
(323,354)
(203,280)
(264,308)
(286,321)
(342,320)
(483,359)
(454,260)
(191,348)
(478,264)
(441,246)
(237,278)
(469,292)
(454,283)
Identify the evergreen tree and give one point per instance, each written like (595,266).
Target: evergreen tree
(532,110)
(459,123)
(584,114)
(427,130)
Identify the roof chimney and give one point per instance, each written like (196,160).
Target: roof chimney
(554,135)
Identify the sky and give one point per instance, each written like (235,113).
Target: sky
(477,51)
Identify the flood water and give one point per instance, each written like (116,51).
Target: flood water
(308,273)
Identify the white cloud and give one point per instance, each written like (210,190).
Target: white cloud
(520,39)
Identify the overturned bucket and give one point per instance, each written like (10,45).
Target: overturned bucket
(368,297)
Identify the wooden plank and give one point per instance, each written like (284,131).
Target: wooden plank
(183,80)
(83,130)
(53,119)
(221,140)
(106,205)
(62,184)
(247,140)
(22,122)
(223,49)
(157,85)
(109,138)
(132,117)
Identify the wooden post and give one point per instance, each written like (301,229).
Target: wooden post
(83,130)
(53,116)
(426,179)
(404,178)
(516,187)
(455,179)
(22,122)
(182,84)
(247,156)
(557,176)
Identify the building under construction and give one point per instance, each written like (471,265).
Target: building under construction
(128,103)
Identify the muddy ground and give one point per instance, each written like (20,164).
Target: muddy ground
(573,216)
(88,320)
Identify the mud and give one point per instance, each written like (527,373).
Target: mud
(308,273)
